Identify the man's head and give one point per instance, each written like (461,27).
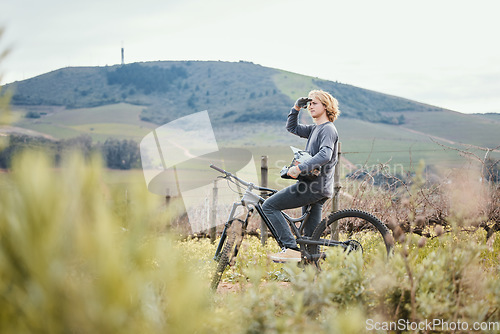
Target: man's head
(329,102)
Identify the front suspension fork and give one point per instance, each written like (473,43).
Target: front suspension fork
(227,225)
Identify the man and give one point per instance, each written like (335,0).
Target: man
(322,139)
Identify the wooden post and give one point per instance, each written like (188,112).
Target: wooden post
(213,213)
(336,195)
(167,196)
(263,177)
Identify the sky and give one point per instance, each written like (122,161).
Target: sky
(441,52)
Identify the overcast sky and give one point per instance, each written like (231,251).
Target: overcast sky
(441,52)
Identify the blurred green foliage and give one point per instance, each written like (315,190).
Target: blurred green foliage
(78,255)
(76,258)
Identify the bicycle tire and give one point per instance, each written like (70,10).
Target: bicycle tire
(228,253)
(365,221)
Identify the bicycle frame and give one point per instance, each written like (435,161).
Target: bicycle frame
(251,200)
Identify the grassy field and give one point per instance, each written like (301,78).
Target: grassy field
(293,85)
(117,121)
(372,143)
(362,144)
(456,127)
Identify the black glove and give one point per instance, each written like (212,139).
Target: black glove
(302,102)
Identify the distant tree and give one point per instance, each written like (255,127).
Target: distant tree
(491,170)
(81,143)
(121,154)
(147,79)
(32,114)
(19,143)
(191,102)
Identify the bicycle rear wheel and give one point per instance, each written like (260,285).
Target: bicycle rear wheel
(229,252)
(358,231)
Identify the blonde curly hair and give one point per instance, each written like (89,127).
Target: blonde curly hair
(331,104)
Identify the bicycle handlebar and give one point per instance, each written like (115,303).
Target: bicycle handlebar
(245,183)
(218,169)
(229,174)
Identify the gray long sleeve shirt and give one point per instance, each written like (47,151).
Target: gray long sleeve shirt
(322,146)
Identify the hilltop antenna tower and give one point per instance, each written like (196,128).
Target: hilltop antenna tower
(123,55)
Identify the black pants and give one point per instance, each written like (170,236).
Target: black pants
(294,196)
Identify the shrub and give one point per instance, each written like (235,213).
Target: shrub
(32,114)
(75,259)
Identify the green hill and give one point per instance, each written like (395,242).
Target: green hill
(234,92)
(247,103)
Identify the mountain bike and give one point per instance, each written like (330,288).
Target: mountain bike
(313,249)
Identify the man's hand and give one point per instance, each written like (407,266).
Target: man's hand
(302,103)
(294,171)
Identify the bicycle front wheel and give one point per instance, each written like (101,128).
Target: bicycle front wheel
(228,253)
(355,230)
